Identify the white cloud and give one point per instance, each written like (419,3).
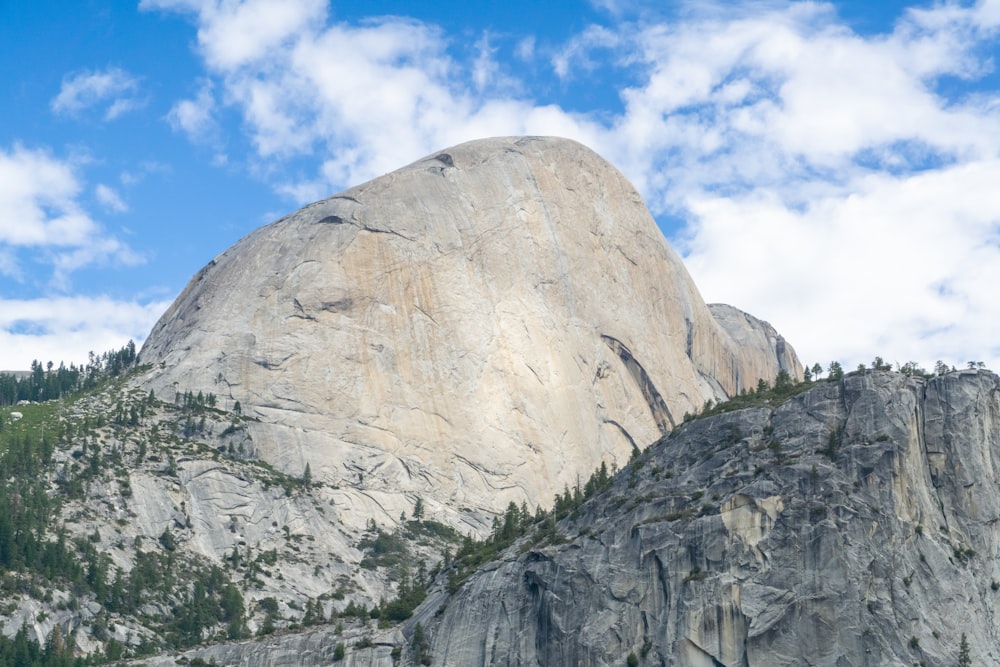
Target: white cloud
(100,251)
(485,68)
(525,49)
(902,266)
(40,208)
(371,98)
(364,98)
(38,201)
(196,117)
(145,169)
(237,34)
(110,198)
(577,53)
(828,181)
(68,328)
(112,86)
(9,266)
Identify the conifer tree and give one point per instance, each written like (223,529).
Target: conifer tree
(964,659)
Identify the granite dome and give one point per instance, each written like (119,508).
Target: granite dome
(482,326)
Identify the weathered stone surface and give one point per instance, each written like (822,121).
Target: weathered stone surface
(483,326)
(749,539)
(317,647)
(758,538)
(763,347)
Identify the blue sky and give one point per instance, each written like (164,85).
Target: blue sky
(829,167)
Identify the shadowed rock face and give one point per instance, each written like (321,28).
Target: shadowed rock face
(756,538)
(483,326)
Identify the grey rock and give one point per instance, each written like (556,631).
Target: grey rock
(483,326)
(763,344)
(853,524)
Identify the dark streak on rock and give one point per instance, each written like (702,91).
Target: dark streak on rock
(657,406)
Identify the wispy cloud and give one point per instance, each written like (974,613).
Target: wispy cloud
(828,181)
(113,89)
(110,199)
(145,168)
(194,117)
(40,208)
(577,56)
(366,98)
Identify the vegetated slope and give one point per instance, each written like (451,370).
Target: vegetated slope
(846,522)
(853,524)
(134,525)
(482,326)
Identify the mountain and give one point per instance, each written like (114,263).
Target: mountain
(481,327)
(337,410)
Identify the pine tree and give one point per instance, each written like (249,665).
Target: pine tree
(964,659)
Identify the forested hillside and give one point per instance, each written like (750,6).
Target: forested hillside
(47,382)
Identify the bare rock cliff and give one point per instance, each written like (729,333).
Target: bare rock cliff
(853,525)
(483,326)
(856,524)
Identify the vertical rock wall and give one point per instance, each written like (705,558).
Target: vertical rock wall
(856,524)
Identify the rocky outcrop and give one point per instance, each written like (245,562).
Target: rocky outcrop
(855,524)
(764,348)
(483,326)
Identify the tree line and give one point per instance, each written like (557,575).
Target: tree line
(48,382)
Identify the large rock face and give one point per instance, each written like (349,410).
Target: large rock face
(856,524)
(483,326)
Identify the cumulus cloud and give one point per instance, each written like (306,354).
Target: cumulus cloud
(363,98)
(236,34)
(837,184)
(40,209)
(825,182)
(113,88)
(68,328)
(900,267)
